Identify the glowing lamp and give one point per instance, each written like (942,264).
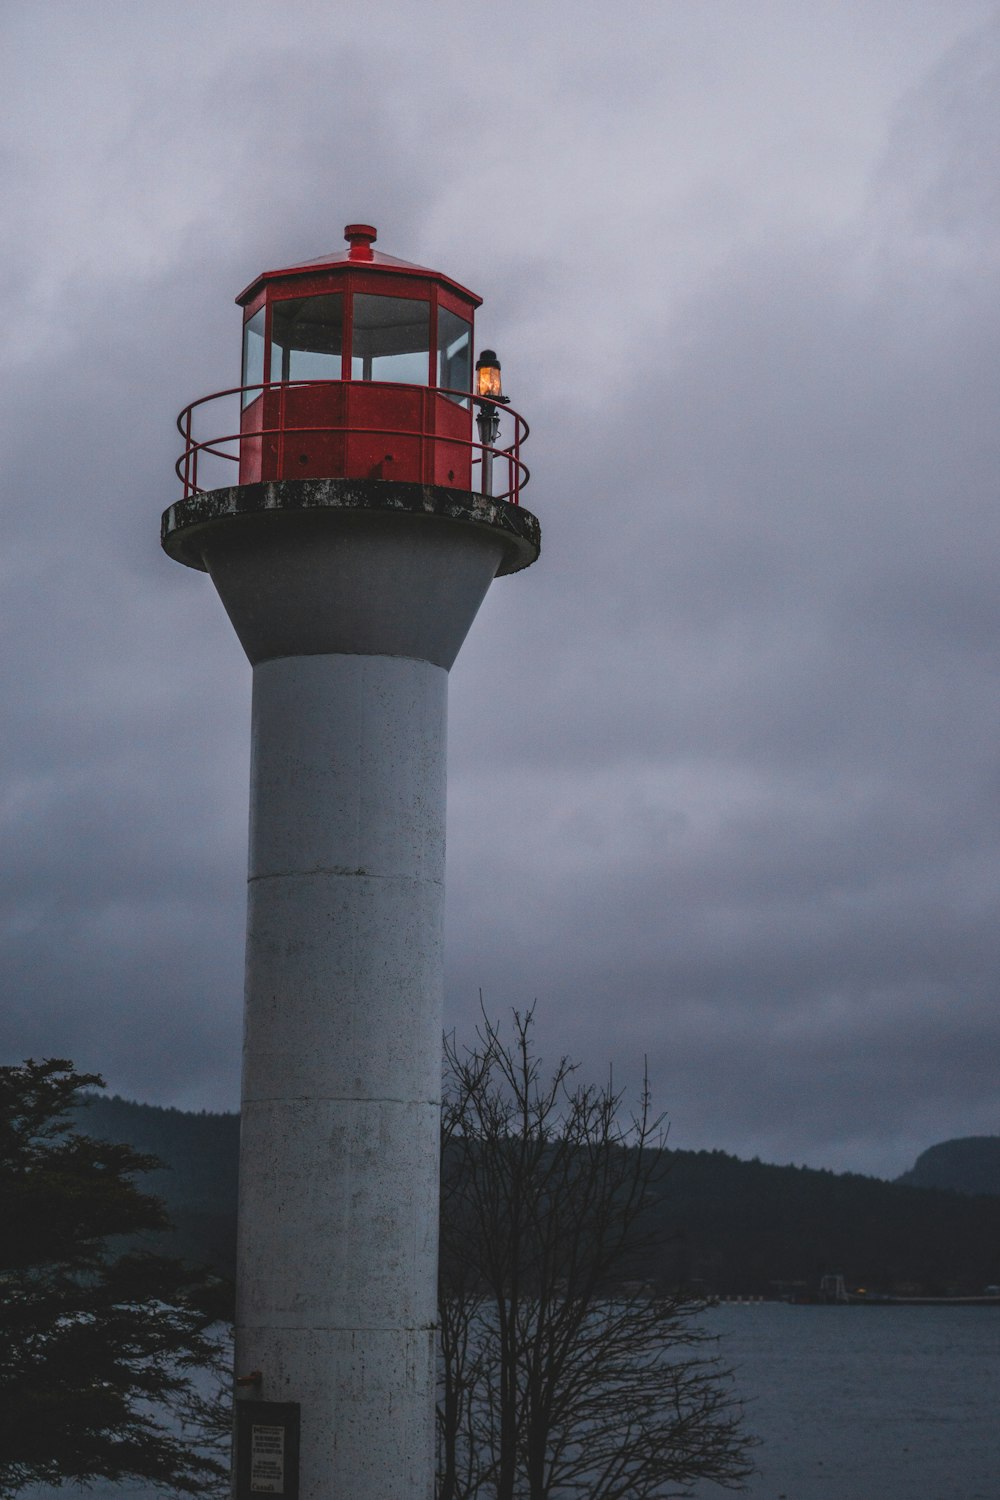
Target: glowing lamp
(488,376)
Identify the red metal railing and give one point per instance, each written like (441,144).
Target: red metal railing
(220,446)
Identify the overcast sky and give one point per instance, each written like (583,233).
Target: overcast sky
(724,765)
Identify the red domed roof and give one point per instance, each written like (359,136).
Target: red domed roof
(359,253)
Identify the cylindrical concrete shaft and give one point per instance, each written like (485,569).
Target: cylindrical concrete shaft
(341,1068)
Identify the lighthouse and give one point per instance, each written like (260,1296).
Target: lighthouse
(377,496)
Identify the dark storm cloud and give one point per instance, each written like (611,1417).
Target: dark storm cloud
(762,765)
(723,766)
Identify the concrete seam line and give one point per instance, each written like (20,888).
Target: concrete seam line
(340,1099)
(344,1328)
(344,872)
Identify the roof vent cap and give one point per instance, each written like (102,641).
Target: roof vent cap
(361,237)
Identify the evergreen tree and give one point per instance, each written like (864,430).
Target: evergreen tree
(100,1342)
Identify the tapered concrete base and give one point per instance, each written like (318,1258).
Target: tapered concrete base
(352,604)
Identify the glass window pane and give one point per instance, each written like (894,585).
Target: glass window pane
(392,337)
(253,355)
(454,366)
(306,338)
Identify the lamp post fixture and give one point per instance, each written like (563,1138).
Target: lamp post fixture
(489,392)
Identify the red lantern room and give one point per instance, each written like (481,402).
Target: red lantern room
(357,365)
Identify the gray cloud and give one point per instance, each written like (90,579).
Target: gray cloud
(723,766)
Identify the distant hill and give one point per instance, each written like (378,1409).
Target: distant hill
(970,1164)
(734,1227)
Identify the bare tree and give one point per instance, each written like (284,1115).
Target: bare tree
(561,1374)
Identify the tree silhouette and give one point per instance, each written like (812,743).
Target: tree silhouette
(559,1374)
(99,1342)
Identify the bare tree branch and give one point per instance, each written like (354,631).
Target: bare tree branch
(560,1376)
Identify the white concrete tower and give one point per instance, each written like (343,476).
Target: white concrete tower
(351,596)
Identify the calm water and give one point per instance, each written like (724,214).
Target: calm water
(867,1403)
(852,1403)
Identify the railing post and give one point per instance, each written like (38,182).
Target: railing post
(187,452)
(515,463)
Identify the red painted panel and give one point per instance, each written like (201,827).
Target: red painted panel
(356,430)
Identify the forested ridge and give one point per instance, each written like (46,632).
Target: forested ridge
(749,1227)
(734,1227)
(197,1182)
